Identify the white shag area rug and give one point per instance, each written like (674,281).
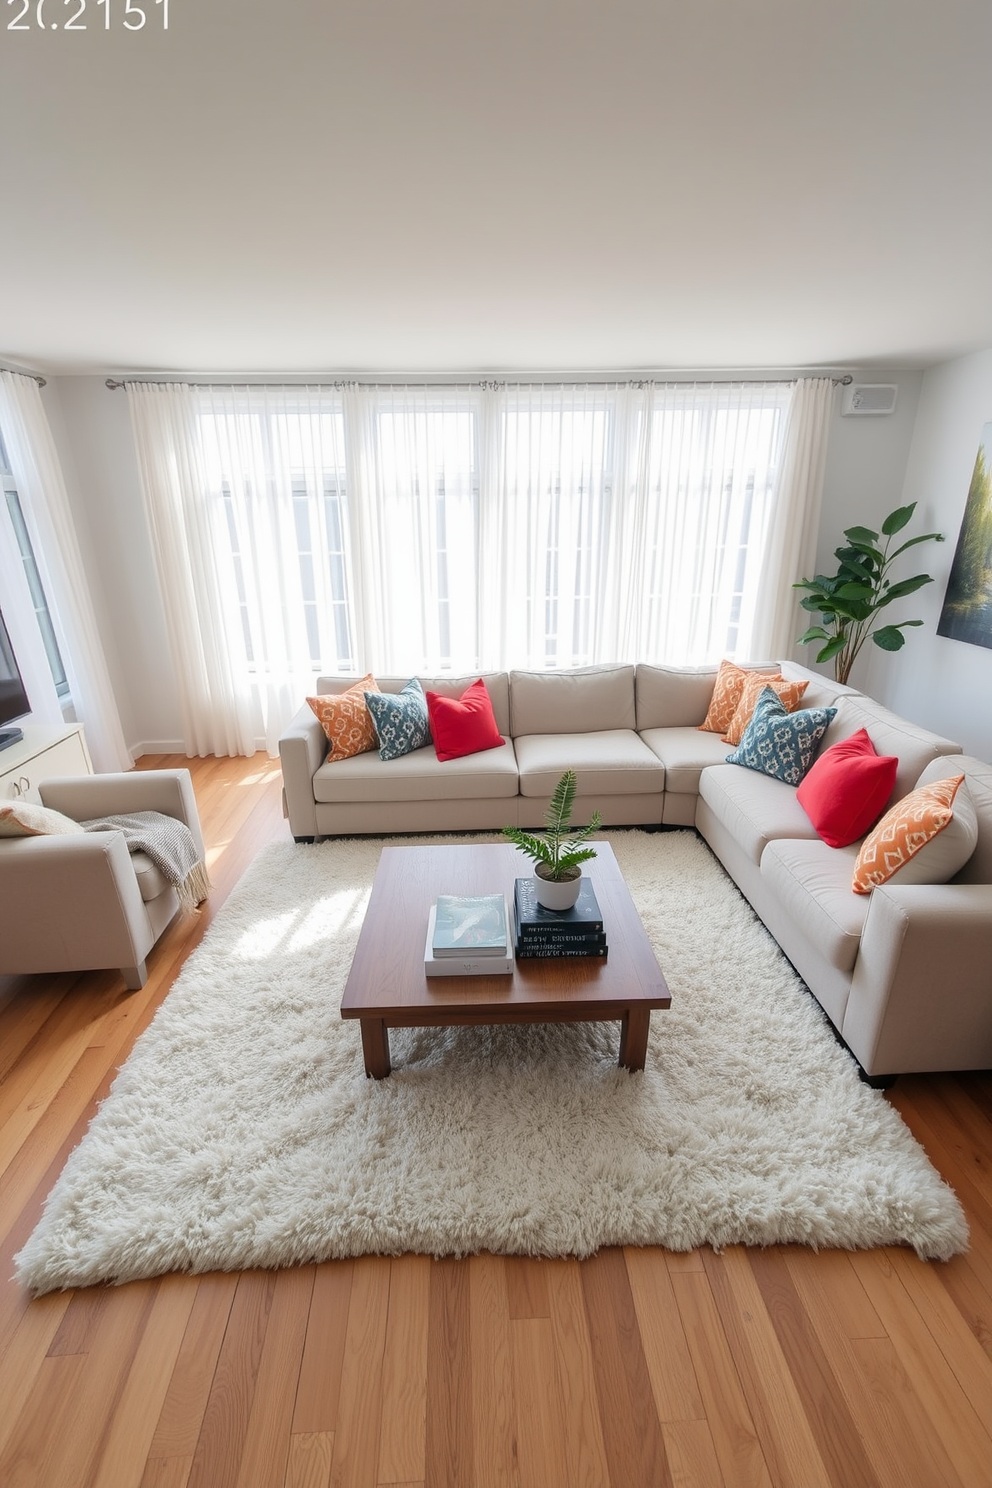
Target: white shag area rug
(242,1131)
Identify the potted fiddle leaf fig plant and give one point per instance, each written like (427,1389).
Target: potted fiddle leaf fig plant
(850,601)
(558,852)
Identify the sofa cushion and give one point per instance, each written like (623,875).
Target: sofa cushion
(790,694)
(754,808)
(914,747)
(846,789)
(978,774)
(812,882)
(497,686)
(447,685)
(346,720)
(672,697)
(611,762)
(419,776)
(822,692)
(584,700)
(151,880)
(779,743)
(400,719)
(925,838)
(26,819)
(684,752)
(727,689)
(463,725)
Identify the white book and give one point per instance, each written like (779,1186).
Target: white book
(462,965)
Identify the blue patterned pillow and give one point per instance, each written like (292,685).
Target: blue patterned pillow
(778,743)
(400,720)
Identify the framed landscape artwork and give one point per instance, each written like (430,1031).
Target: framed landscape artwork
(967,610)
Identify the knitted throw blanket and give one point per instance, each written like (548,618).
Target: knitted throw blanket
(169,844)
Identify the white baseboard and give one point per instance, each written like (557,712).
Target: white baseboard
(157,746)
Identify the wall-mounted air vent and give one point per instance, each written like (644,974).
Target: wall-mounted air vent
(869,398)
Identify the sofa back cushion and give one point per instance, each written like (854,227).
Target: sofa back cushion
(579,701)
(672,697)
(978,777)
(914,747)
(446,685)
(822,692)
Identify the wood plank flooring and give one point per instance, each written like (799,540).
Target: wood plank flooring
(638,1369)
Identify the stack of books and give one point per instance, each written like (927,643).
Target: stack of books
(468,935)
(558,932)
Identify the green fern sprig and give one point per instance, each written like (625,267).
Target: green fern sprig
(560,847)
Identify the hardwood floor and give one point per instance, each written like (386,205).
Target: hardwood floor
(751,1369)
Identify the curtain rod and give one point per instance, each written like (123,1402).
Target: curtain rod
(113,383)
(34,376)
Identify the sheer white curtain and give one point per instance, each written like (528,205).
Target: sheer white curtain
(244,490)
(709,464)
(413,499)
(547,520)
(406,529)
(788,537)
(38,474)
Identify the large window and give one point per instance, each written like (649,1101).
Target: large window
(446,528)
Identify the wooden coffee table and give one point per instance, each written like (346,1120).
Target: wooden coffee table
(387,987)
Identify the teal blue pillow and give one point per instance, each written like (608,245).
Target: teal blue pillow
(400,719)
(778,743)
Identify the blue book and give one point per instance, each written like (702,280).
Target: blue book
(470,925)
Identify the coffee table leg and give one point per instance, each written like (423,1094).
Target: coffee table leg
(375,1046)
(634,1037)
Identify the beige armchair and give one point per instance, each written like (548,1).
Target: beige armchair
(81,902)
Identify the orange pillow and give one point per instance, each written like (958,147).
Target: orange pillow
(346,720)
(727,690)
(790,694)
(929,812)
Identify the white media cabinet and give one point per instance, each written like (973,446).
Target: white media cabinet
(43,753)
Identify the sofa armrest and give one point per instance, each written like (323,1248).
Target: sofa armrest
(302,750)
(921,995)
(84,797)
(70,903)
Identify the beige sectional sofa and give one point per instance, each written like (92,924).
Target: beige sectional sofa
(904,974)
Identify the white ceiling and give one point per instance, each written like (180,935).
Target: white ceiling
(447,185)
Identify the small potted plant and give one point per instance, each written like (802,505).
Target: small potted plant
(558,852)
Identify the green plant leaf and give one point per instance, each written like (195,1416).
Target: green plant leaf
(890,638)
(869,551)
(860,535)
(815,633)
(854,568)
(896,520)
(904,587)
(832,647)
(855,591)
(924,537)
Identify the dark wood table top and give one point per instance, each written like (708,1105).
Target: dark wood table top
(387,978)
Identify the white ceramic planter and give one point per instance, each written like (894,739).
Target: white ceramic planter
(557,895)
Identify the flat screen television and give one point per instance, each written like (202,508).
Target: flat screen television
(13,698)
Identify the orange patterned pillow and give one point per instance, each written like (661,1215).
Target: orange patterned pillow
(346,720)
(727,690)
(790,693)
(935,811)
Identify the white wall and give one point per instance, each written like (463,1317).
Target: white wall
(866,469)
(945,685)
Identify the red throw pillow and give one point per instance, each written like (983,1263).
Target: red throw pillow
(847,788)
(464,725)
